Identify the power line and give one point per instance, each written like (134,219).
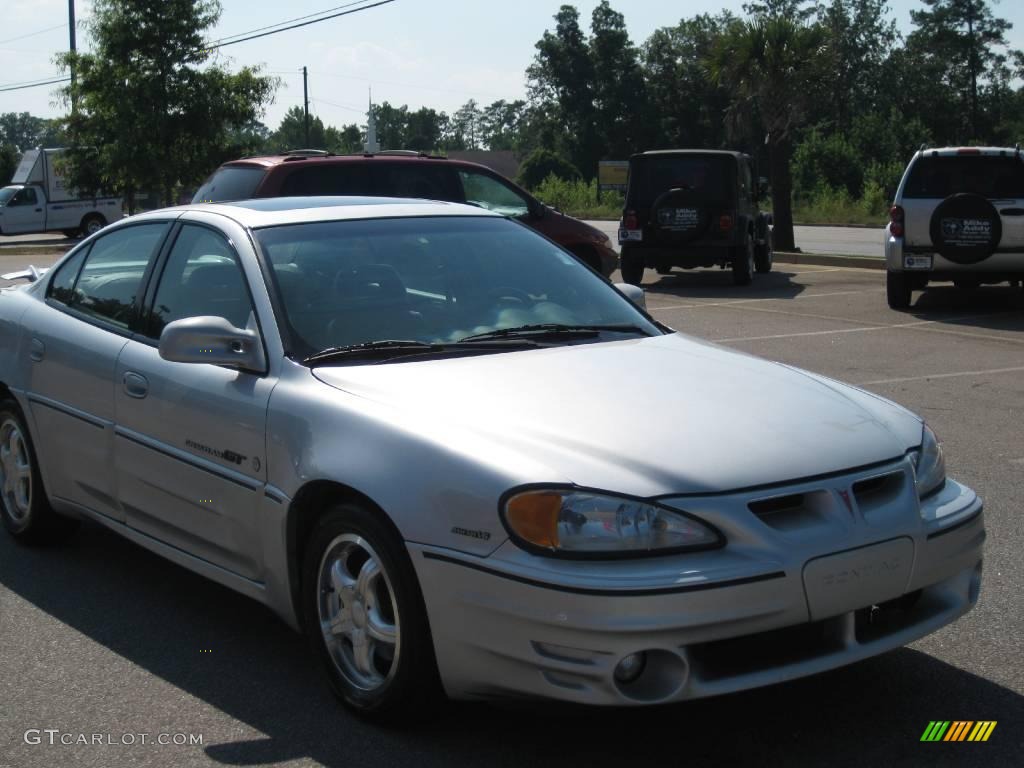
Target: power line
(296,26)
(339,106)
(215,45)
(289,21)
(33,34)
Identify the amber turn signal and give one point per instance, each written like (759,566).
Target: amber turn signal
(533,516)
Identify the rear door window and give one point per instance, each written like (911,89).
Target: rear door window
(420,179)
(230,183)
(989,176)
(706,178)
(334,179)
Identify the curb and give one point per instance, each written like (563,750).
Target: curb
(830,260)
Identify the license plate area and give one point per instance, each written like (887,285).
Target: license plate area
(917,262)
(858,578)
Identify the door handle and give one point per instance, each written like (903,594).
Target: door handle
(36,350)
(39,210)
(135,385)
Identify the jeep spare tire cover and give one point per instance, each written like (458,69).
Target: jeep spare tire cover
(966,228)
(677,216)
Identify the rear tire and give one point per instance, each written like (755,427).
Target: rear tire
(765,254)
(24,508)
(92,224)
(743,263)
(897,290)
(365,617)
(632,266)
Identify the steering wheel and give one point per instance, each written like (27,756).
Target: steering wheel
(503,292)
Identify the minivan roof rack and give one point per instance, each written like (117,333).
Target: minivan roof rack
(924,146)
(307,153)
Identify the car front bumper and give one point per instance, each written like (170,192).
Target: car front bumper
(508,626)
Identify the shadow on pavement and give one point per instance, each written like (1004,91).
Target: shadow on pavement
(995,307)
(715,283)
(157,615)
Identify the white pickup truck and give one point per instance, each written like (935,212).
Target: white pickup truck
(38,201)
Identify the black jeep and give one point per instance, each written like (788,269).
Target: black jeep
(694,208)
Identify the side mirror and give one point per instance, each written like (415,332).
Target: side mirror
(634,293)
(212,340)
(538,209)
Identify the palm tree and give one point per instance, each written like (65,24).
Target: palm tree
(767,64)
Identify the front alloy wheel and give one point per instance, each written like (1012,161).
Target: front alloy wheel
(357,613)
(365,617)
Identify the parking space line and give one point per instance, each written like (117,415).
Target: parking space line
(984,372)
(805,333)
(773,298)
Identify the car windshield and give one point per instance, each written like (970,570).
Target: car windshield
(6,193)
(435,280)
(707,177)
(986,175)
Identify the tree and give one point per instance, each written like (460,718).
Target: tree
(620,101)
(685,106)
(768,64)
(9,159)
(542,163)
(502,123)
(147,116)
(291,133)
(24,131)
(392,124)
(860,36)
(468,124)
(561,85)
(423,130)
(961,36)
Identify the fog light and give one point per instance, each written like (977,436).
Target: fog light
(631,667)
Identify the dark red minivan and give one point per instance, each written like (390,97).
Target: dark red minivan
(403,173)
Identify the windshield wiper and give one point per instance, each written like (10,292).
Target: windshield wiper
(554,329)
(390,348)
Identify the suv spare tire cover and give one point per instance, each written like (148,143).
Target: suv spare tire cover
(966,228)
(677,217)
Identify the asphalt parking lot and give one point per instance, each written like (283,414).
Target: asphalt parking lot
(102,637)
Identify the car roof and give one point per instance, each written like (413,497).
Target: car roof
(274,211)
(299,159)
(968,151)
(670,152)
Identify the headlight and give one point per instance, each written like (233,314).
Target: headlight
(929,464)
(570,522)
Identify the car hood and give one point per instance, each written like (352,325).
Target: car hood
(667,414)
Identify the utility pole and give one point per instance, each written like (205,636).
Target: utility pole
(305,99)
(71,30)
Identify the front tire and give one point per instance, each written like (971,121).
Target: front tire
(24,508)
(365,617)
(897,290)
(632,266)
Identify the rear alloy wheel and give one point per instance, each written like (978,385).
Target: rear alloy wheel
(743,263)
(764,254)
(25,510)
(897,289)
(365,618)
(632,265)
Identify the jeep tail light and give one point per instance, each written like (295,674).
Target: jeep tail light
(725,222)
(896,221)
(629,221)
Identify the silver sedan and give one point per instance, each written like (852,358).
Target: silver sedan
(413,430)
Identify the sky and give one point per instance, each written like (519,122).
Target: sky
(413,52)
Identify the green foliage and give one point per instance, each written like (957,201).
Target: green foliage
(837,206)
(148,116)
(829,161)
(579,198)
(9,158)
(543,163)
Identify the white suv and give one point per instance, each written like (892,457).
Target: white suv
(958,215)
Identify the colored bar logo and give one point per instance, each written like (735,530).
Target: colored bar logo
(959,730)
